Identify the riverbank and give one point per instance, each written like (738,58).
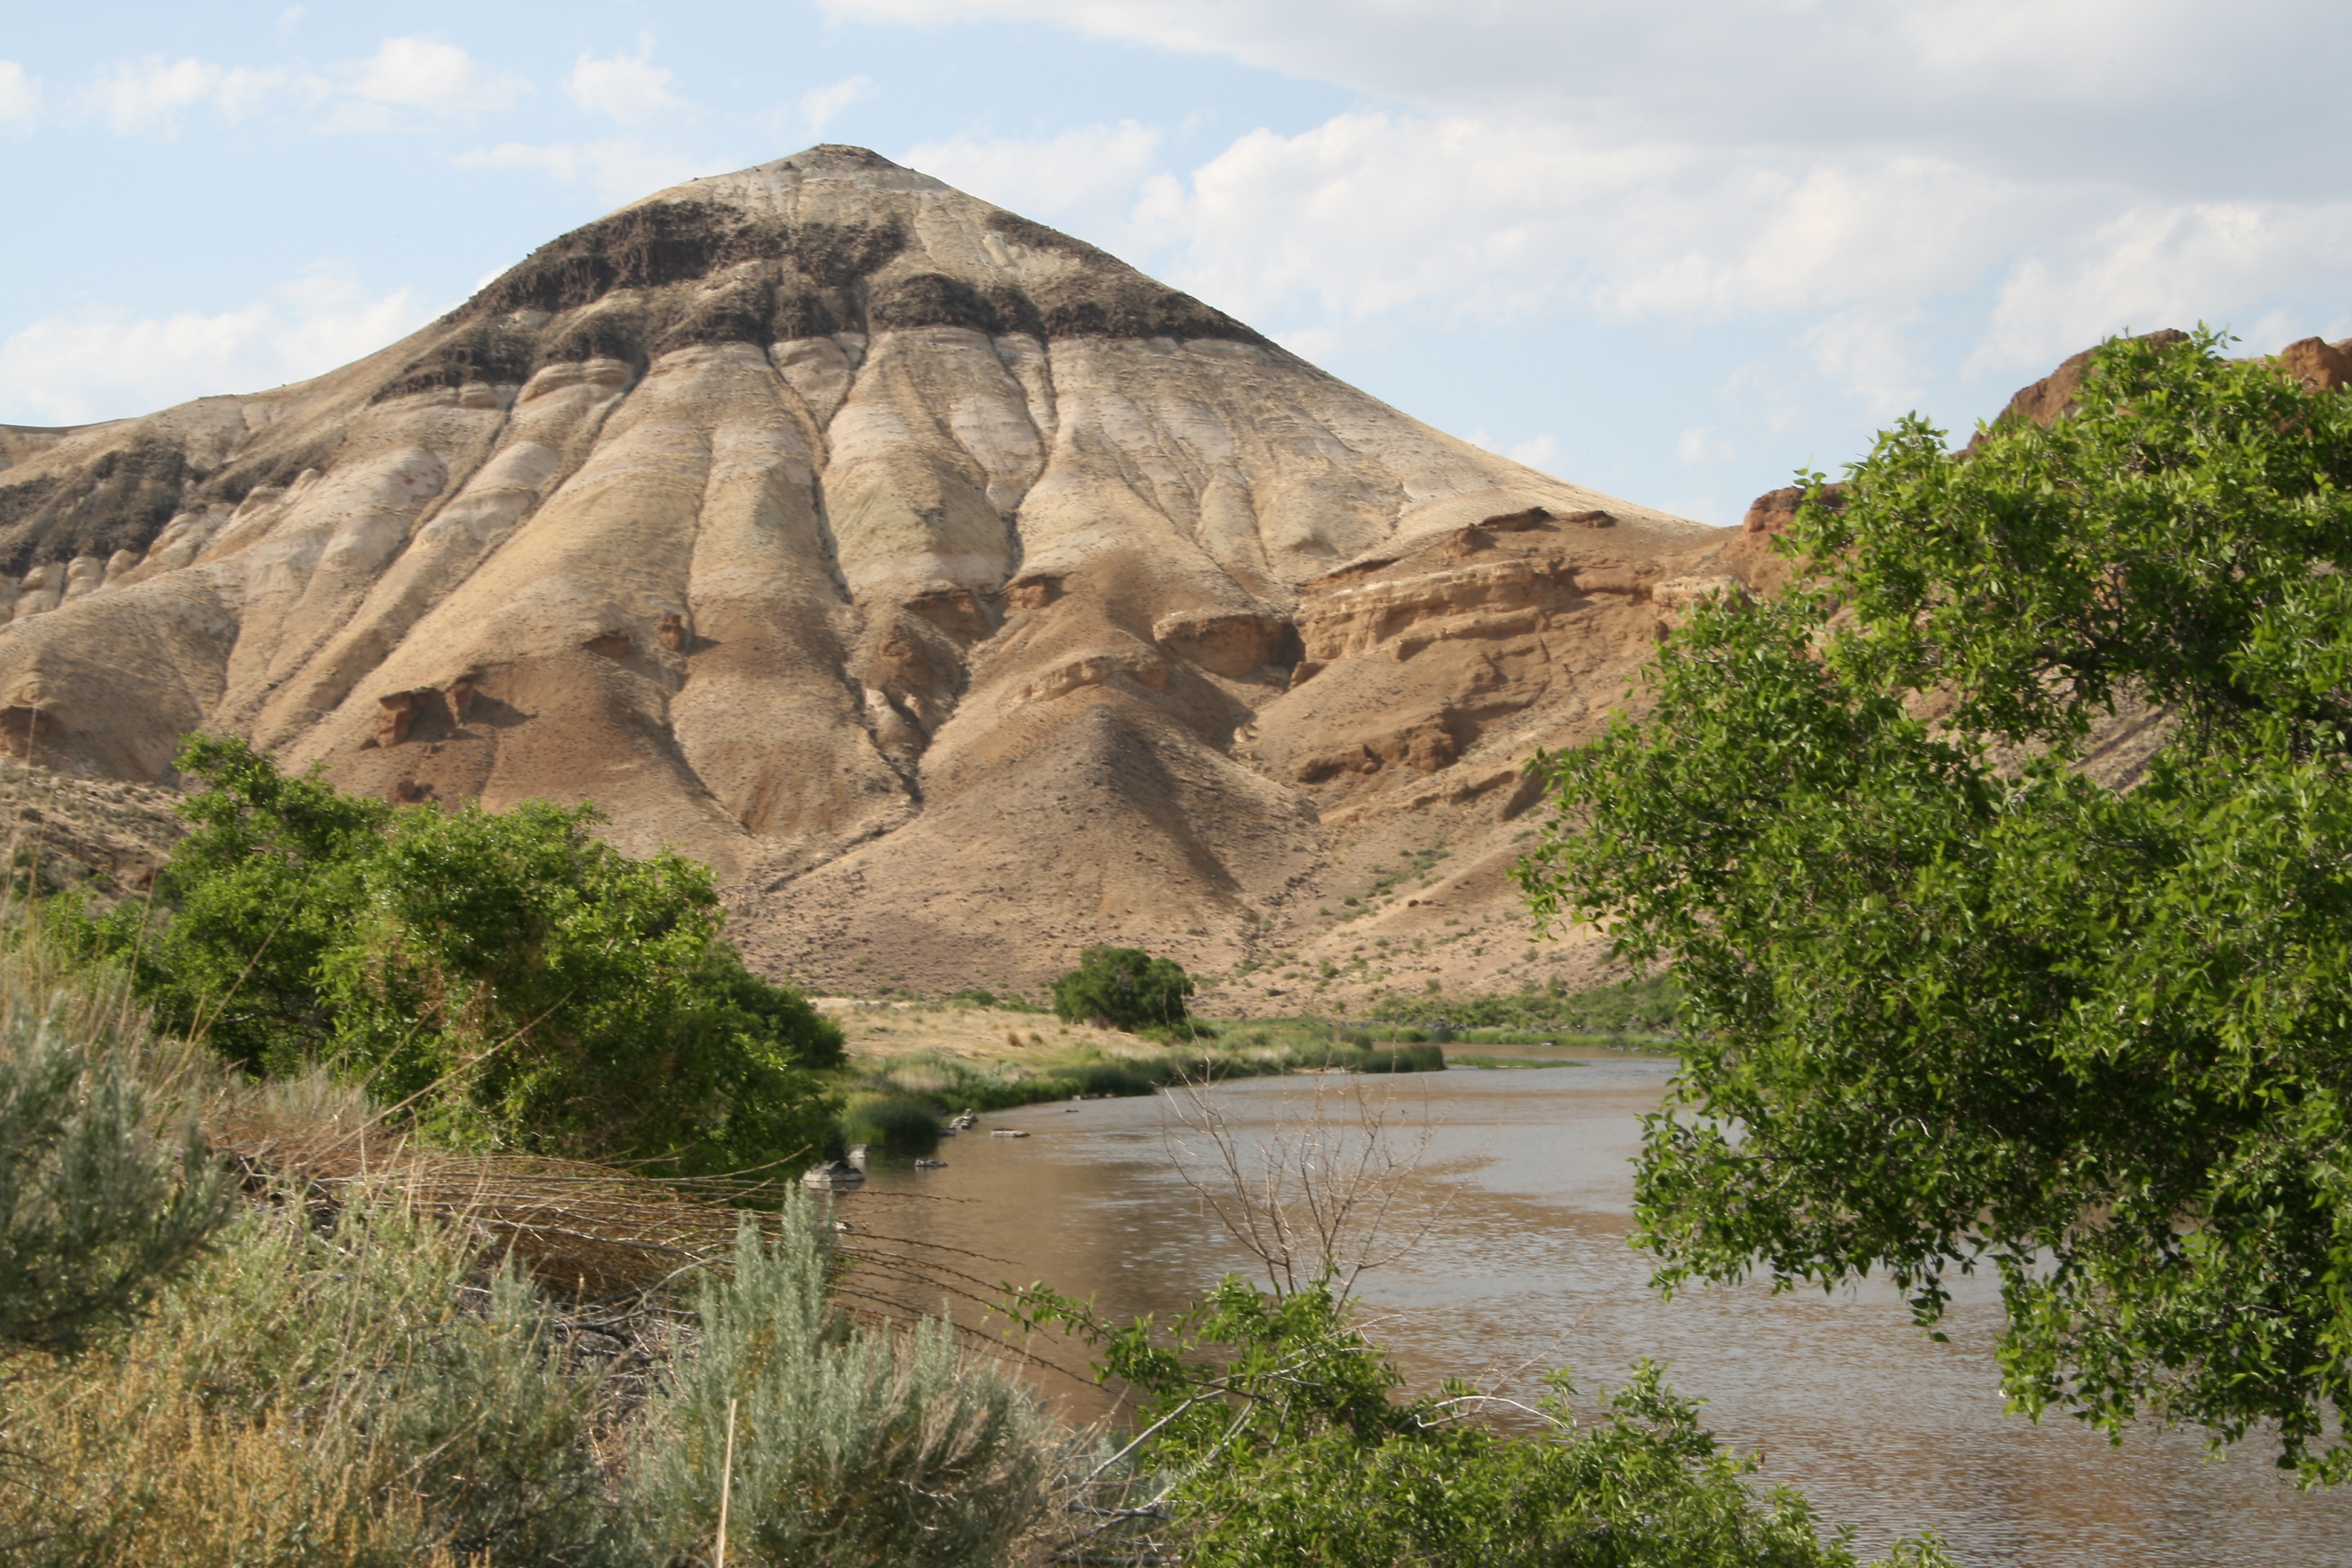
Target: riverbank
(904,1057)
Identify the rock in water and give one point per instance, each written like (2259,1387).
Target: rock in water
(959,594)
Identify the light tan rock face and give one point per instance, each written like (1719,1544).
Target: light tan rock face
(961,594)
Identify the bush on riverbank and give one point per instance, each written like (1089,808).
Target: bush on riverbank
(516,980)
(1124,988)
(947,1083)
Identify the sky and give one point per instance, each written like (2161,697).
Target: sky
(1676,250)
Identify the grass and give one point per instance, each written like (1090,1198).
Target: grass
(1647,1010)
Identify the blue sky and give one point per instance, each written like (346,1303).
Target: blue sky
(1674,250)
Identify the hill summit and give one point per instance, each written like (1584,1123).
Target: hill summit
(961,594)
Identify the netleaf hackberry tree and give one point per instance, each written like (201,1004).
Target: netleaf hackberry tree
(1951,1000)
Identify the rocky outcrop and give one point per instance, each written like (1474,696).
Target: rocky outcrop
(2318,363)
(2052,397)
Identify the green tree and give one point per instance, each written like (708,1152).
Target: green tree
(511,971)
(1951,1003)
(1124,988)
(263,886)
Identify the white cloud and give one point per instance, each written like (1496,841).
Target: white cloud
(2166,266)
(1701,447)
(20,95)
(148,95)
(404,79)
(1857,176)
(1373,213)
(1867,353)
(1542,453)
(2097,84)
(629,88)
(1086,176)
(1313,344)
(422,76)
(1373,217)
(820,107)
(620,169)
(1538,452)
(105,364)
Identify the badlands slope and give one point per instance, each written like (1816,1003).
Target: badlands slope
(961,594)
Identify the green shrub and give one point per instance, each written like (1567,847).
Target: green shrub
(1326,1467)
(524,981)
(1120,1076)
(894,1123)
(1382,1058)
(1399,1059)
(1124,988)
(852,1446)
(97,1212)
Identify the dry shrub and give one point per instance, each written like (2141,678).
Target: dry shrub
(133,1467)
(1326,1192)
(357,1393)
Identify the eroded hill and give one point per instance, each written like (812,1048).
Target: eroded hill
(960,594)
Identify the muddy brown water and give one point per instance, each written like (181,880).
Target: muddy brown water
(1526,1267)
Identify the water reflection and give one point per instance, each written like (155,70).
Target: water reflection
(1529,1268)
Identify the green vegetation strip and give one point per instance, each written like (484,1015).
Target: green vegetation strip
(1508,1062)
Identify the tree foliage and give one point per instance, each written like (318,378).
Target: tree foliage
(1271,1431)
(1950,1000)
(512,974)
(1124,988)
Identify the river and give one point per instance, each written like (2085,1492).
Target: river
(1521,1178)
